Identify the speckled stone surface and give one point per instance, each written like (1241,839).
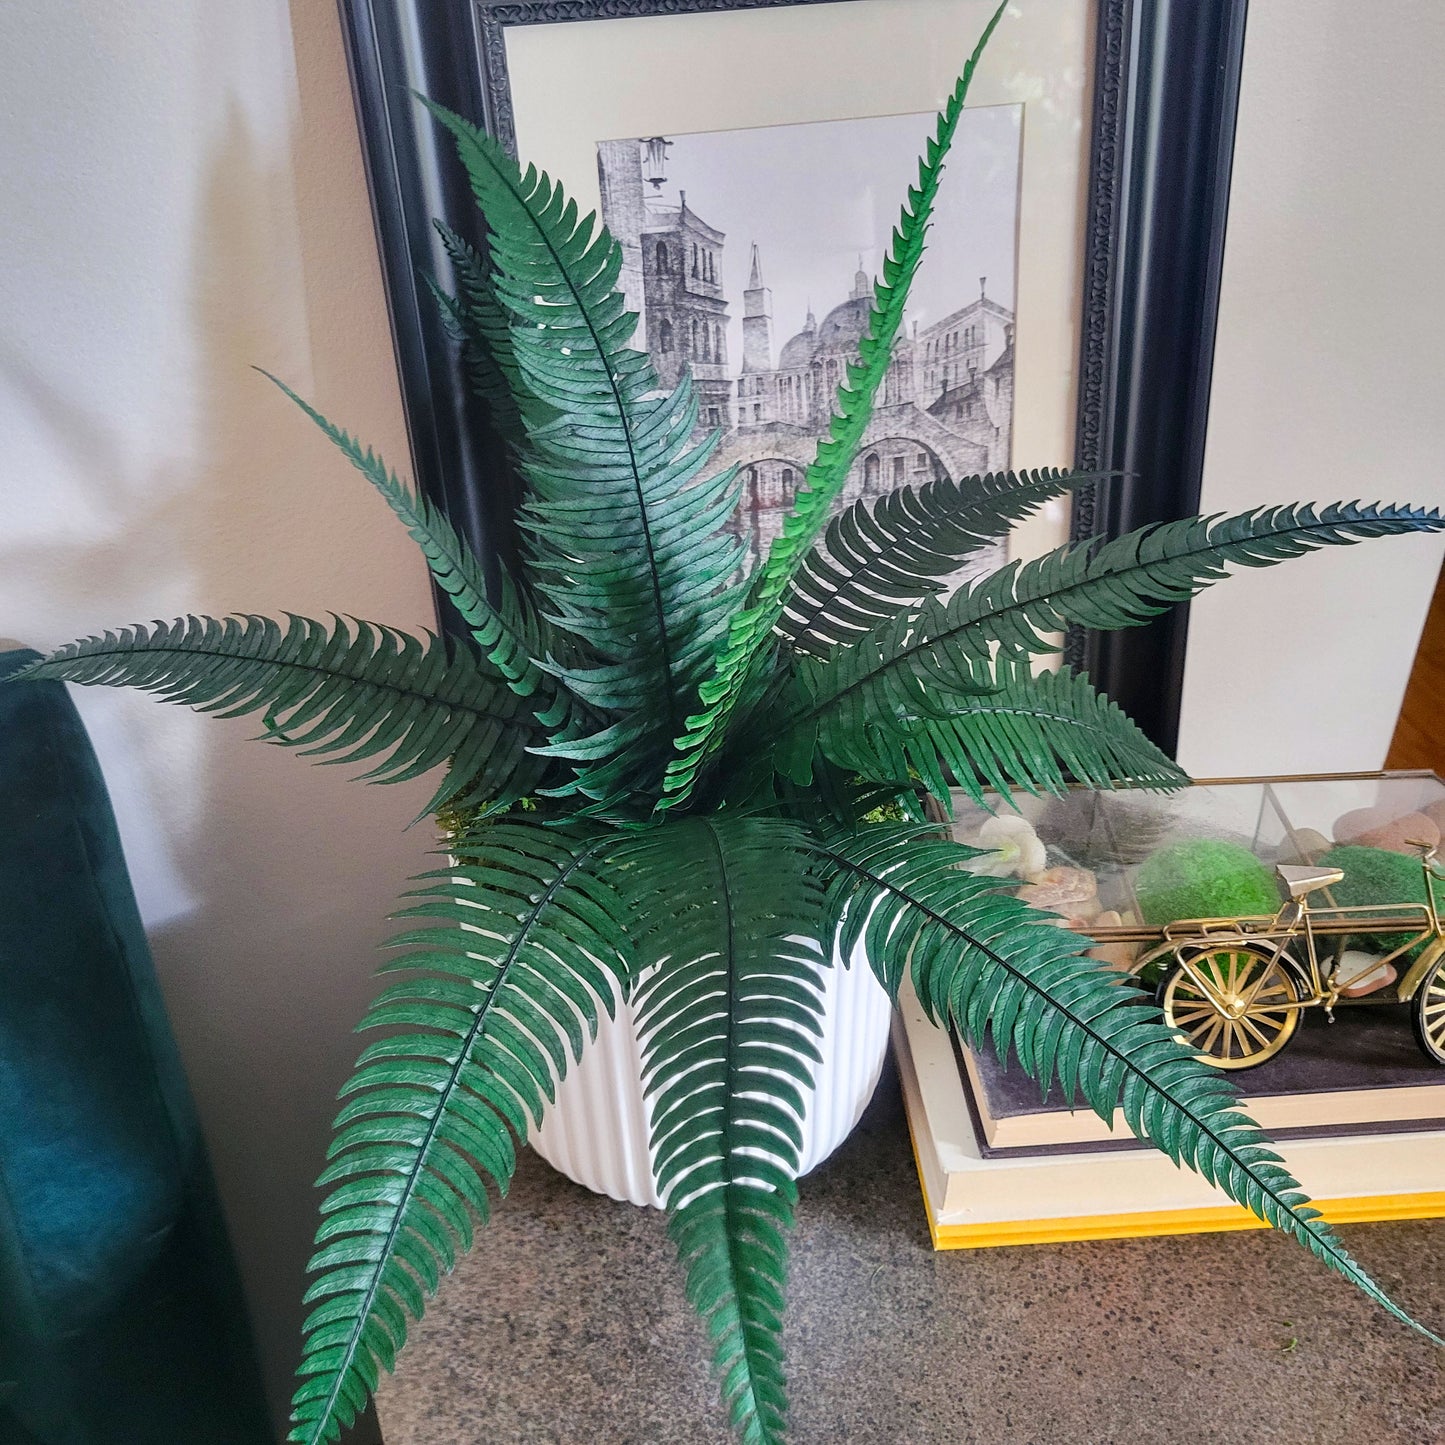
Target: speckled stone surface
(569,1325)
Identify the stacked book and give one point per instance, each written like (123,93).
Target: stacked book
(1357,1111)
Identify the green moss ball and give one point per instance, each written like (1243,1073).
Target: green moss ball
(1374,876)
(1203,878)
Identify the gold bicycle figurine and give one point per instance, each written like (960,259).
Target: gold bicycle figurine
(1236,987)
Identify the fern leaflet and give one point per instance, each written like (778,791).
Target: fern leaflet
(481,326)
(1023,732)
(341,693)
(875,558)
(629,538)
(506,634)
(1118,584)
(728,1021)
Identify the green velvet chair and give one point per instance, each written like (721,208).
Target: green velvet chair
(121,1321)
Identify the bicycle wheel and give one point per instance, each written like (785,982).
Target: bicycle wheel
(1244,1016)
(1427,1012)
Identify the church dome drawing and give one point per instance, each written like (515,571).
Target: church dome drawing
(841,331)
(798,352)
(843,326)
(945,407)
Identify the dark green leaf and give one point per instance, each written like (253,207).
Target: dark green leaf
(728,1019)
(508,959)
(875,558)
(1115,584)
(508,635)
(751,629)
(629,537)
(1035,732)
(482,328)
(342,693)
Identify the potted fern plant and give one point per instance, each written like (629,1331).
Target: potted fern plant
(672,784)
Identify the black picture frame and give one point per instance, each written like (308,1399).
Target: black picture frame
(1165,99)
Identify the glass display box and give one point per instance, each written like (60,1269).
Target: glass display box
(1242,903)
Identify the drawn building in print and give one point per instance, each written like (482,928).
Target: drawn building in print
(671,260)
(945,407)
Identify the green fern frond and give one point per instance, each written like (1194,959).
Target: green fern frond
(1025,732)
(630,544)
(342,692)
(482,328)
(751,629)
(728,1022)
(876,557)
(1112,585)
(508,959)
(988,964)
(506,635)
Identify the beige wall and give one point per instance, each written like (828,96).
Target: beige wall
(1329,382)
(181,196)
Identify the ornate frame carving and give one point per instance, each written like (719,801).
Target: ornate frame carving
(1165,101)
(1166,84)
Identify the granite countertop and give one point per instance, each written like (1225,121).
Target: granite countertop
(568,1324)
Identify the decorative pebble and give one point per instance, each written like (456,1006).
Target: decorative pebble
(1351,962)
(1304,845)
(1401,836)
(1117,955)
(1070,892)
(1349,826)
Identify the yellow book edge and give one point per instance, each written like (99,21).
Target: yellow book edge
(1361,1209)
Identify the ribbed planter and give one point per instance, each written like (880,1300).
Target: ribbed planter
(596,1132)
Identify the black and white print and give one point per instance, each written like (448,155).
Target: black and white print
(749,256)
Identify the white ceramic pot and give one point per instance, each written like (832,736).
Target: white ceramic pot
(596,1132)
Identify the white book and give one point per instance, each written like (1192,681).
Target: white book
(974,1201)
